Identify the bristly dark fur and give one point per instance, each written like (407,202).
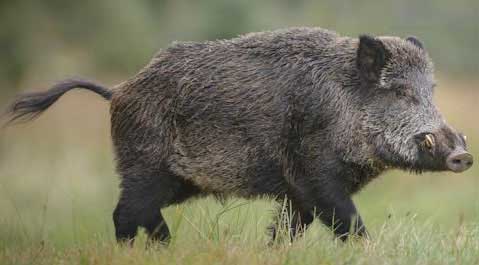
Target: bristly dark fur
(301,113)
(30,105)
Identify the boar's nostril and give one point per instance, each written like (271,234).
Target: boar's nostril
(459,161)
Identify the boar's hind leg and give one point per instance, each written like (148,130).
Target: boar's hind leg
(142,197)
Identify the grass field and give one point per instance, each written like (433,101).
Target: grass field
(58,190)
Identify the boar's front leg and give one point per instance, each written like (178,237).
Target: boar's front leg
(340,214)
(332,205)
(291,219)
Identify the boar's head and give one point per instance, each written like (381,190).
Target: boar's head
(399,118)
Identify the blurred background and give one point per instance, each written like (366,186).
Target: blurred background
(57,179)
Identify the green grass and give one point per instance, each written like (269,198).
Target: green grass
(58,190)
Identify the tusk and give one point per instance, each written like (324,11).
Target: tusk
(429,141)
(465,138)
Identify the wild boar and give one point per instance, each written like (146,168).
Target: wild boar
(300,113)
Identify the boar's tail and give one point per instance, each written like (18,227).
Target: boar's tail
(30,105)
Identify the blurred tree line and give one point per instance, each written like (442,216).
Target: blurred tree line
(112,39)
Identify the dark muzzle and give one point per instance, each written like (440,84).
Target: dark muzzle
(447,148)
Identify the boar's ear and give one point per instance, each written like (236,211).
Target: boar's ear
(371,58)
(415,41)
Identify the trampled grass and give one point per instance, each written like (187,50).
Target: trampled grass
(58,190)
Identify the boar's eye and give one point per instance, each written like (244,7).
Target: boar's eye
(403,90)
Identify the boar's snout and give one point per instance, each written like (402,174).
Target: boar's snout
(459,160)
(444,149)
